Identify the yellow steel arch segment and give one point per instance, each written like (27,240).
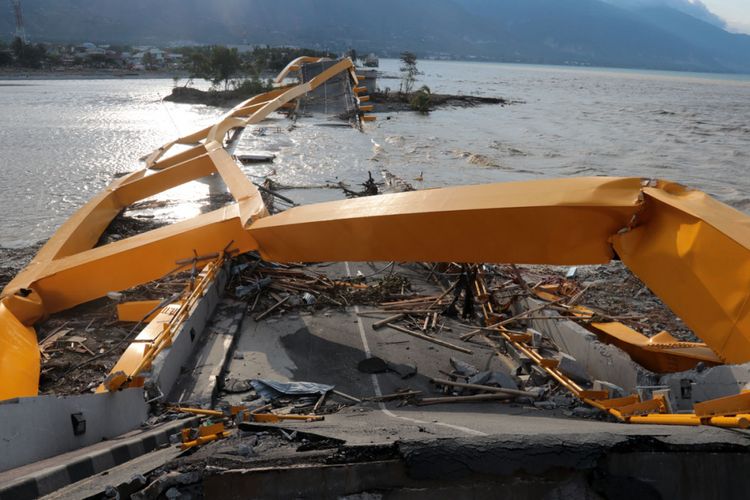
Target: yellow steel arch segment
(68,271)
(161,180)
(276,103)
(295,65)
(83,230)
(566,221)
(220,129)
(691,250)
(241,108)
(181,157)
(79,233)
(19,357)
(237,182)
(111,267)
(343,65)
(154,156)
(694,253)
(251,108)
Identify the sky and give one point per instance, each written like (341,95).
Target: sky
(735,12)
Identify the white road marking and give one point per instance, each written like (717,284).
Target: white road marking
(379,393)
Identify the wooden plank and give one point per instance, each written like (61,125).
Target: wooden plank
(487,388)
(430,339)
(380,324)
(464,399)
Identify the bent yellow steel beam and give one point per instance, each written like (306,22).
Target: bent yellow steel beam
(679,243)
(565,221)
(245,108)
(237,182)
(68,270)
(159,181)
(694,253)
(295,65)
(178,158)
(19,357)
(91,274)
(256,108)
(661,353)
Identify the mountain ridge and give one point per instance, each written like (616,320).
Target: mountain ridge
(645,34)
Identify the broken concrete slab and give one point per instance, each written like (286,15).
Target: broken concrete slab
(494,378)
(572,368)
(600,361)
(615,391)
(200,384)
(168,365)
(698,385)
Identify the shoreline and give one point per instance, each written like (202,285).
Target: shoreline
(89,74)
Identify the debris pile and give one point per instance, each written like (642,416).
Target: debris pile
(81,345)
(478,299)
(275,288)
(615,291)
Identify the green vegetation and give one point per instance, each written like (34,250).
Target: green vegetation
(224,67)
(216,64)
(409,72)
(27,55)
(6,57)
(229,69)
(421,99)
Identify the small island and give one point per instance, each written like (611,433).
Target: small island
(233,83)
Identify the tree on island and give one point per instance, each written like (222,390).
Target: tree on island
(421,99)
(409,72)
(218,65)
(6,57)
(28,55)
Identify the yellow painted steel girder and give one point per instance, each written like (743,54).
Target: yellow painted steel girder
(563,221)
(19,357)
(694,253)
(661,353)
(69,270)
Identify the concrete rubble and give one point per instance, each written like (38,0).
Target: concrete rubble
(432,357)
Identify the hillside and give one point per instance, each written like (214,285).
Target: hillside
(628,33)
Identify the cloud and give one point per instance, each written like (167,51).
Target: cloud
(695,8)
(739,27)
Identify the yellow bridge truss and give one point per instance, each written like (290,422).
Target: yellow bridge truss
(691,250)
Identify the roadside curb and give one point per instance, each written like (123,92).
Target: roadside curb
(200,386)
(58,475)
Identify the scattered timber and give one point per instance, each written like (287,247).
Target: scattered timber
(346,396)
(380,324)
(272,308)
(395,396)
(486,388)
(430,339)
(464,399)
